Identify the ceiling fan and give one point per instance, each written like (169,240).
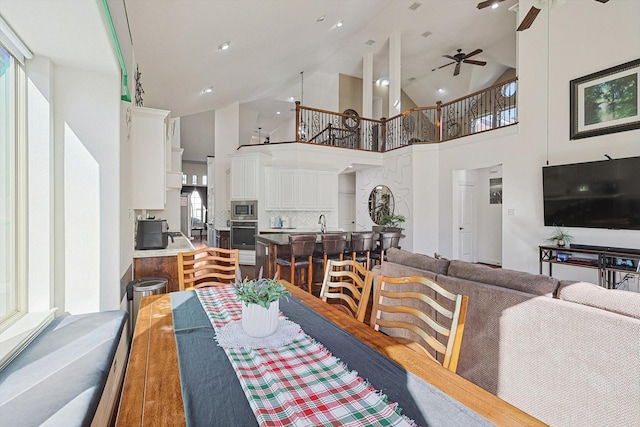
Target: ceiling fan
(459,58)
(530,16)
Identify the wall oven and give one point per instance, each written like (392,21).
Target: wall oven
(244,210)
(243,235)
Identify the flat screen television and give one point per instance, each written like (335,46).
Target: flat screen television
(602,194)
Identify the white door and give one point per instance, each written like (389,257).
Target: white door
(465,222)
(347,211)
(211,176)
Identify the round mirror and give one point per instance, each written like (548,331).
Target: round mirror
(380,203)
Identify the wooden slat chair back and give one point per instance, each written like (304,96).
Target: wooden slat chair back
(408,304)
(207,267)
(350,283)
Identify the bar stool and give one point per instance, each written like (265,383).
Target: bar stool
(361,245)
(388,239)
(333,246)
(301,248)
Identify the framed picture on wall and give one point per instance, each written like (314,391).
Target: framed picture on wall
(605,102)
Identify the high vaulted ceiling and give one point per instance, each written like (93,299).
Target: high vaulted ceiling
(272,41)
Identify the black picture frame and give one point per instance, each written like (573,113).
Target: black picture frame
(605,102)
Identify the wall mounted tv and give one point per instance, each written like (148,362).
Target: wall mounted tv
(602,194)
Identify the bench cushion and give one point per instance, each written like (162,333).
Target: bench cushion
(58,379)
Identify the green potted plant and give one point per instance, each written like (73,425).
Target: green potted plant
(560,237)
(391,221)
(261,307)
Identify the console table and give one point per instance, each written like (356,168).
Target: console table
(607,260)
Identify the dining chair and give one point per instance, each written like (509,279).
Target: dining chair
(388,240)
(360,247)
(207,267)
(333,246)
(406,309)
(350,284)
(301,247)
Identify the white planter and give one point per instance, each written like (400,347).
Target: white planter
(257,321)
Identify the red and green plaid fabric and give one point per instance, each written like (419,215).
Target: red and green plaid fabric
(300,384)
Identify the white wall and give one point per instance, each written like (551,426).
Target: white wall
(87,126)
(227,128)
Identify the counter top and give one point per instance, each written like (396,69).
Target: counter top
(223,228)
(179,244)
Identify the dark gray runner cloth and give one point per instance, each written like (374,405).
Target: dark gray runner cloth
(213,396)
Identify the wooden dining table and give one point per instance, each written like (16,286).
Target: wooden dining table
(152,394)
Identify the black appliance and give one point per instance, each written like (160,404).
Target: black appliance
(152,234)
(602,194)
(243,234)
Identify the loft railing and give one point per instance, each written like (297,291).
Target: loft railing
(491,108)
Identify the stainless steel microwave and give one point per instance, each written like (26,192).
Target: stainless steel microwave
(244,210)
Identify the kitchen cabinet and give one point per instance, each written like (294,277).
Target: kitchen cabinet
(148,138)
(158,266)
(300,189)
(245,177)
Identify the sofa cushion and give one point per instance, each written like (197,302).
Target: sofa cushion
(535,284)
(614,300)
(556,360)
(393,269)
(420,261)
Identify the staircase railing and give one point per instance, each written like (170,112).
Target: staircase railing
(488,109)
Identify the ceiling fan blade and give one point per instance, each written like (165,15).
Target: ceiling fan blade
(449,56)
(528,20)
(475,52)
(457,70)
(488,3)
(602,1)
(471,61)
(445,65)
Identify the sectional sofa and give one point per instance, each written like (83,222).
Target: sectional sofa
(566,352)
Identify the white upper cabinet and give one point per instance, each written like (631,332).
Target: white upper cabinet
(148,138)
(292,189)
(245,177)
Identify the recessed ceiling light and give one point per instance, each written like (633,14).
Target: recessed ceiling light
(382,81)
(291,98)
(207,90)
(426,34)
(321,18)
(350,166)
(369,42)
(411,79)
(495,6)
(441,90)
(415,6)
(277,112)
(224,46)
(339,24)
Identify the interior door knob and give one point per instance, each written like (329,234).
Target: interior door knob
(461,228)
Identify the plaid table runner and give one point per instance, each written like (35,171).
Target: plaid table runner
(300,384)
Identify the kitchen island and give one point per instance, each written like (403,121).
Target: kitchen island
(162,262)
(270,246)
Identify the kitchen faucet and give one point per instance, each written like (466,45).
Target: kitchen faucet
(323,223)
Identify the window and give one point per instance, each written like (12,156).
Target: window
(196,207)
(508,116)
(194,180)
(8,197)
(482,123)
(204,180)
(184,179)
